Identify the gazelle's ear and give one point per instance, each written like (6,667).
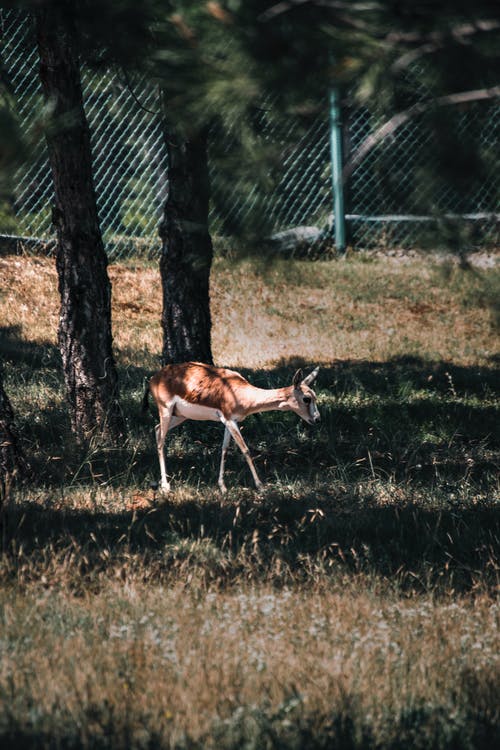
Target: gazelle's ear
(297,378)
(311,377)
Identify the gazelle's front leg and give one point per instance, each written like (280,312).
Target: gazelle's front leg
(225,446)
(233,428)
(167,422)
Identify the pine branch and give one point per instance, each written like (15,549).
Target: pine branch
(399,119)
(437,41)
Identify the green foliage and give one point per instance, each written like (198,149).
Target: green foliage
(133,217)
(13,150)
(8,221)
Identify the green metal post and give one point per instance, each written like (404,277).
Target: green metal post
(337,166)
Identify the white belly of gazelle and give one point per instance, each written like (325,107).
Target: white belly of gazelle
(195,411)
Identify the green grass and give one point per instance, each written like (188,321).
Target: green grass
(353,603)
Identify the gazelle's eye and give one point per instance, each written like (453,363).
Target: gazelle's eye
(307,400)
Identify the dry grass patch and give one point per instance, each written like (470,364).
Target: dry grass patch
(323,311)
(353,309)
(29,302)
(153,667)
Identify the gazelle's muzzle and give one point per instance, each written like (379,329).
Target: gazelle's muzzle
(314,416)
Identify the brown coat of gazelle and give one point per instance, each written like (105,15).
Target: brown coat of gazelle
(193,390)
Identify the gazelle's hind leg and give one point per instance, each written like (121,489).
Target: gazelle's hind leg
(167,422)
(225,446)
(234,430)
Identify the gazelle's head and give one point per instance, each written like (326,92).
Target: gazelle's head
(302,399)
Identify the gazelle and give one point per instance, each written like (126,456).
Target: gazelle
(193,390)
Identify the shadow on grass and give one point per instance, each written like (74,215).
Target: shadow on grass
(281,537)
(386,378)
(404,419)
(22,354)
(331,518)
(264,726)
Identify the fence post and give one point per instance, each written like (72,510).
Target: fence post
(337,166)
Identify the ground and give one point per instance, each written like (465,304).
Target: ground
(352,603)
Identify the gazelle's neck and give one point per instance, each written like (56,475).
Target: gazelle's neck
(266,399)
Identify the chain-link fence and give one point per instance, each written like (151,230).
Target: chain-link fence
(129,157)
(396,196)
(387,202)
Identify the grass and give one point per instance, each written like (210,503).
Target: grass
(352,604)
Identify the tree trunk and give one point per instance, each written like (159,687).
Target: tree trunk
(85,339)
(186,256)
(12,462)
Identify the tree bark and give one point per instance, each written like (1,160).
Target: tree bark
(85,339)
(187,253)
(12,462)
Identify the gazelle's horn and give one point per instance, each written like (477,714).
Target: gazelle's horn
(311,377)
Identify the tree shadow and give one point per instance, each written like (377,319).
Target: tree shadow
(20,353)
(384,377)
(373,429)
(405,419)
(325,531)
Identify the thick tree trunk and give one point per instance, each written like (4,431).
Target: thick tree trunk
(12,462)
(187,253)
(85,337)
